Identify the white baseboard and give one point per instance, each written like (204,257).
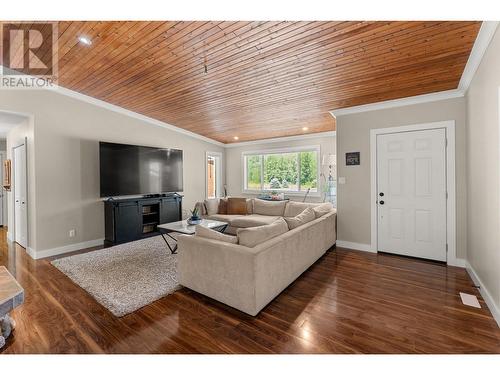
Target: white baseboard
(495,310)
(355,246)
(35,254)
(457,262)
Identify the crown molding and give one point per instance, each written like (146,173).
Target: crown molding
(281,139)
(483,39)
(418,99)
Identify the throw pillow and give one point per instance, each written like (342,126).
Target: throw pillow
(305,217)
(268,208)
(251,237)
(212,206)
(249,206)
(322,209)
(236,206)
(202,231)
(222,206)
(294,208)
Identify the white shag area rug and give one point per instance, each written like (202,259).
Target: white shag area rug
(125,277)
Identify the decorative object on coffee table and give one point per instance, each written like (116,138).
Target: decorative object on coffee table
(183,227)
(195,216)
(11,296)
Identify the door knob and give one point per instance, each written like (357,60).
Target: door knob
(382,202)
(381,194)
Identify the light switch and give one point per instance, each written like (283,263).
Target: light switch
(341,180)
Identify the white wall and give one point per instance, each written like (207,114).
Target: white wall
(483,165)
(234,163)
(353,134)
(66,132)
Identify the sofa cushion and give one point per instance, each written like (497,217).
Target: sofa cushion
(251,237)
(254,220)
(304,217)
(236,206)
(202,231)
(225,218)
(293,209)
(323,209)
(268,208)
(212,206)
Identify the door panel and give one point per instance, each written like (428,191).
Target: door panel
(128,220)
(411,183)
(20,192)
(169,211)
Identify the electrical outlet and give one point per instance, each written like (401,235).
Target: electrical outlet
(72,233)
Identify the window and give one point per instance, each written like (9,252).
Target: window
(292,170)
(213,169)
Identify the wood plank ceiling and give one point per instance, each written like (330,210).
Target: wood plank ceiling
(256,80)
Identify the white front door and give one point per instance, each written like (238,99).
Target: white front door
(411,188)
(20,214)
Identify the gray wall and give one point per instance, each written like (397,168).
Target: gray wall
(353,134)
(483,164)
(66,135)
(234,164)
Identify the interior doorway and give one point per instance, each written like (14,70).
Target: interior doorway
(213,164)
(20,195)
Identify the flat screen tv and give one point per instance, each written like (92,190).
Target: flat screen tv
(133,170)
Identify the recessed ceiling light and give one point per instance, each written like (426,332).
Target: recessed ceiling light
(305,128)
(236,138)
(84,40)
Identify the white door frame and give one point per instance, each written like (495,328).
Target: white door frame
(449,126)
(218,176)
(13,198)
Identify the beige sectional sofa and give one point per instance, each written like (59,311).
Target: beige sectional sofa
(248,278)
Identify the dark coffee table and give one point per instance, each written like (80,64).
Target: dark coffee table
(184,228)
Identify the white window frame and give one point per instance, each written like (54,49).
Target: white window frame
(218,173)
(315,148)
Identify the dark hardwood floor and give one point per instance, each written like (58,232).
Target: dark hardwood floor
(348,302)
